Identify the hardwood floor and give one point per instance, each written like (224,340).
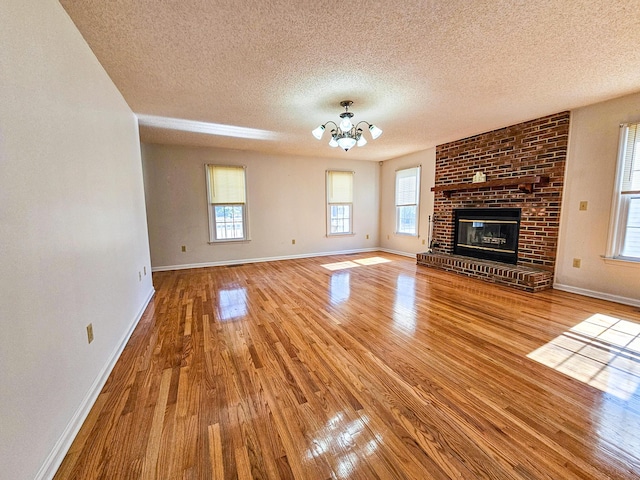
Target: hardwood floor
(364,369)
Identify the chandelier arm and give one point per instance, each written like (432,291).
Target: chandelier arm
(362,121)
(330,121)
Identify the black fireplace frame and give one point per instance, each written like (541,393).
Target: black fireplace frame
(507,214)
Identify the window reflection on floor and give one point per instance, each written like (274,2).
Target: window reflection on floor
(341,434)
(339,287)
(232,304)
(601,351)
(404,308)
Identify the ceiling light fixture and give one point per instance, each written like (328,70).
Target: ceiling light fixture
(346,135)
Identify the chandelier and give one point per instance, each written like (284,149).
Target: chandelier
(346,135)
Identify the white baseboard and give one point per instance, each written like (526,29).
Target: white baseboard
(60,449)
(398,252)
(258,260)
(601,295)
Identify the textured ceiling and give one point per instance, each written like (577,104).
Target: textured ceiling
(426,72)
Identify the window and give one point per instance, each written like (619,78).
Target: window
(407,200)
(226,187)
(624,235)
(339,203)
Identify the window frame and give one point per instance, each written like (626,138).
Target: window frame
(330,204)
(401,206)
(625,201)
(618,224)
(213,237)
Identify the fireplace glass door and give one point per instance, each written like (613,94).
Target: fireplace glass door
(490,234)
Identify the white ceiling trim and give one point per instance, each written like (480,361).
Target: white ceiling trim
(205,127)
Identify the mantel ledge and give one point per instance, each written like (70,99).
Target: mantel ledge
(524,183)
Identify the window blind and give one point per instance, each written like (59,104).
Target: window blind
(631,168)
(226,185)
(339,186)
(407,186)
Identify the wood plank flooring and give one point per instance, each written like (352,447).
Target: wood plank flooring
(353,367)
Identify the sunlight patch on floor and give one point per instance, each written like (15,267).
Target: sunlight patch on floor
(602,351)
(372,261)
(355,263)
(340,265)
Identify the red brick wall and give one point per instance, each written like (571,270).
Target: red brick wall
(537,147)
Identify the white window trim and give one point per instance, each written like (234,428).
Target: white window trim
(615,226)
(618,209)
(339,234)
(212,225)
(329,205)
(211,210)
(417,204)
(622,262)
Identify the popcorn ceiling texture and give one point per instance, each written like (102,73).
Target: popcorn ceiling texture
(426,72)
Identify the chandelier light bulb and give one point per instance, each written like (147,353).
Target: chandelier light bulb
(332,142)
(375,131)
(345,124)
(346,142)
(317,132)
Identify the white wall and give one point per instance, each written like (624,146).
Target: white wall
(72,232)
(389,240)
(286,200)
(590,173)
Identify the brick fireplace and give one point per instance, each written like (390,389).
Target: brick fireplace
(524,166)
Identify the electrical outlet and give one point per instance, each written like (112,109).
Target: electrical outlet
(367,236)
(583,205)
(576,263)
(184,248)
(293,241)
(90,332)
(424,242)
(388,237)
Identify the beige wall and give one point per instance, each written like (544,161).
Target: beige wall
(286,201)
(389,240)
(72,232)
(591,168)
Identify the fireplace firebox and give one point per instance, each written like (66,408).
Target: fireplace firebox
(487,233)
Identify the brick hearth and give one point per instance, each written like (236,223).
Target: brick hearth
(524,278)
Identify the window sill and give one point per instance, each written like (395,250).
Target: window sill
(239,240)
(350,234)
(622,262)
(400,234)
